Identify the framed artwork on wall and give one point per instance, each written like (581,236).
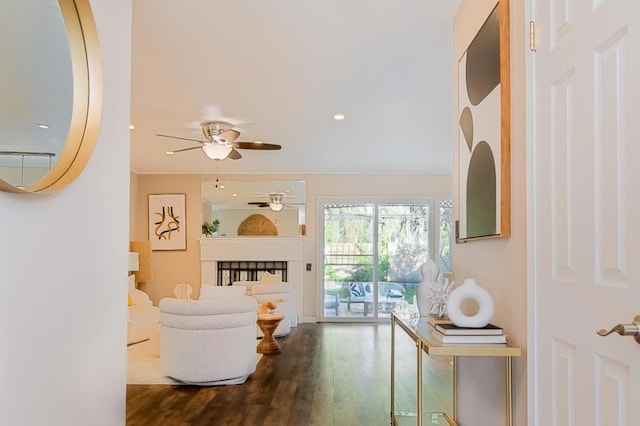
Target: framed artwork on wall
(167,221)
(484,131)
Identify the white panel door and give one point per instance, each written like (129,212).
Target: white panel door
(585,223)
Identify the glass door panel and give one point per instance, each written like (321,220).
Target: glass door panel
(445,236)
(403,245)
(349,260)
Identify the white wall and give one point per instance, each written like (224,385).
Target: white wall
(63,260)
(499,265)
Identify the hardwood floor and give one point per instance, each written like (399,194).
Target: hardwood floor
(327,374)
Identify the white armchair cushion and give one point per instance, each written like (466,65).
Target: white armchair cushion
(280,287)
(221,292)
(141,319)
(141,314)
(246,284)
(269,278)
(131,282)
(140,298)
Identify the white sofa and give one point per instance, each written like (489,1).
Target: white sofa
(265,292)
(141,314)
(211,341)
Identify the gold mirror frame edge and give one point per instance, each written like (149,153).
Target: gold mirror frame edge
(87,100)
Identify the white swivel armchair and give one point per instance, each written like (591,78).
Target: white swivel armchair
(209,341)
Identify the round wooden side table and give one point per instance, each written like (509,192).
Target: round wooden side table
(268,323)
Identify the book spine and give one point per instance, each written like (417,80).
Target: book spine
(469,331)
(469,339)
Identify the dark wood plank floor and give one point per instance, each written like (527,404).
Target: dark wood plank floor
(327,374)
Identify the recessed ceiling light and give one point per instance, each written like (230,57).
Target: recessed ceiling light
(234,195)
(222,187)
(43,126)
(338,117)
(132,127)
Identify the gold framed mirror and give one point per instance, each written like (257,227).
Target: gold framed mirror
(51,95)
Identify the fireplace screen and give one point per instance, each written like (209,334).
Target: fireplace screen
(230,271)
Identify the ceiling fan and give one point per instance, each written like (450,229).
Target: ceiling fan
(276,202)
(221,142)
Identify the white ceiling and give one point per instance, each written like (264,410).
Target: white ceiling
(280,69)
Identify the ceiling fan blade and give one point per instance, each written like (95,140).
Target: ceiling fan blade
(184,139)
(229,136)
(258,203)
(257,145)
(234,155)
(186,149)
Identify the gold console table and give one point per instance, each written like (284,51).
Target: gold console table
(444,358)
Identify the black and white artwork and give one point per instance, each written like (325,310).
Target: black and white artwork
(483,143)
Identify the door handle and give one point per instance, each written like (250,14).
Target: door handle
(625,329)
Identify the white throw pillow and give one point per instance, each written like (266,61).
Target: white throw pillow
(221,292)
(269,278)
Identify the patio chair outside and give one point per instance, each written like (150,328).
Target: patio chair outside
(332,301)
(389,294)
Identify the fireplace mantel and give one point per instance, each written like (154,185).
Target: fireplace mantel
(289,249)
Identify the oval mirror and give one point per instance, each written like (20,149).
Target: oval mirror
(50,93)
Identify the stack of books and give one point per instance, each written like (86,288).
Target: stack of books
(448,333)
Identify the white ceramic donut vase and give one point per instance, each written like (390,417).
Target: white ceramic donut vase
(470,290)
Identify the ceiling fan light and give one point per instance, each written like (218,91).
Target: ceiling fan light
(275,202)
(276,207)
(216,152)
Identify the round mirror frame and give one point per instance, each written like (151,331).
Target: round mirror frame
(86,113)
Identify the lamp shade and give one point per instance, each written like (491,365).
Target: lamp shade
(143,248)
(133,261)
(216,151)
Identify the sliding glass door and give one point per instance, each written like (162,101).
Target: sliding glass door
(372,252)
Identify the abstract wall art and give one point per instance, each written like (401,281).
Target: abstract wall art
(484,131)
(167,221)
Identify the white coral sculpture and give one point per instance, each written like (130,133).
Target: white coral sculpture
(438,297)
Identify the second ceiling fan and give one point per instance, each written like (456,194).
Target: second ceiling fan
(275,203)
(221,142)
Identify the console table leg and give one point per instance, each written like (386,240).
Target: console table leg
(509,379)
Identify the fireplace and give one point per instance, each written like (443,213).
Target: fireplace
(230,271)
(220,253)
